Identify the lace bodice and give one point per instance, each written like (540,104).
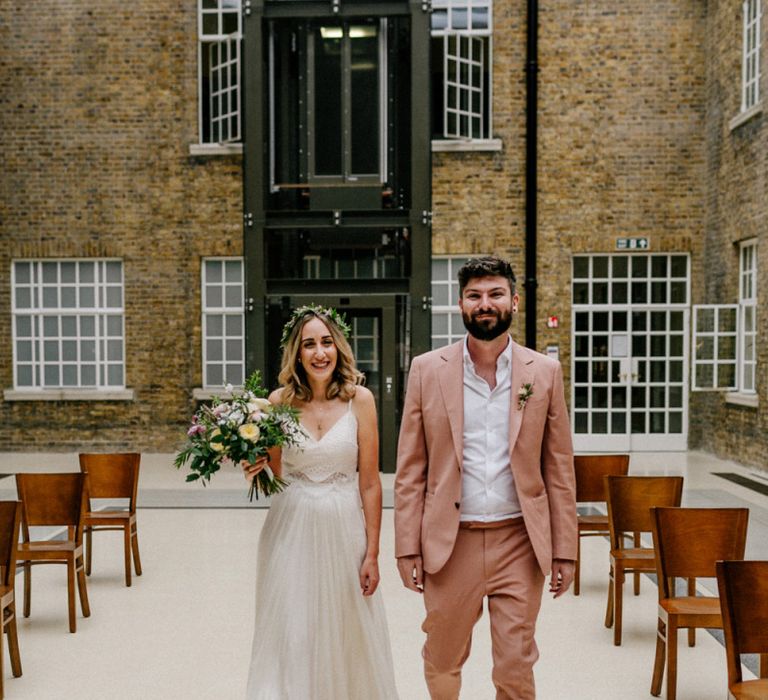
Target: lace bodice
(332,458)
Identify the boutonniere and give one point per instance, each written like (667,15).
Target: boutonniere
(523,394)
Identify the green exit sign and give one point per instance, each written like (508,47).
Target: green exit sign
(632,244)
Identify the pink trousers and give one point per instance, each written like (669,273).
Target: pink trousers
(499,564)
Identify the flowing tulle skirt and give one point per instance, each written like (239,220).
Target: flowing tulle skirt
(316,636)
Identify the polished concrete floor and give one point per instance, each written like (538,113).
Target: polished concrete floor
(183,630)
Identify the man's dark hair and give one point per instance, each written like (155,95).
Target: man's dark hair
(488,266)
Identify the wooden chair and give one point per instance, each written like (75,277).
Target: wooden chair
(688,542)
(743,588)
(10,518)
(630,499)
(590,488)
(51,500)
(112,476)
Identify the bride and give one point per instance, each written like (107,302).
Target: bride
(320,630)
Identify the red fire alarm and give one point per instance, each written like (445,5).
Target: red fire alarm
(552,322)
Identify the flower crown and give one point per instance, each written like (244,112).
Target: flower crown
(329,312)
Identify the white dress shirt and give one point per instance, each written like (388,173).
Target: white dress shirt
(487,484)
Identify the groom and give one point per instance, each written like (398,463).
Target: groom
(484,493)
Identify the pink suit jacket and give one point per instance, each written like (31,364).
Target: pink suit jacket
(429,463)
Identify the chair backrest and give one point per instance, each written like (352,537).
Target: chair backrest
(10,518)
(630,499)
(590,470)
(688,541)
(112,475)
(51,499)
(743,588)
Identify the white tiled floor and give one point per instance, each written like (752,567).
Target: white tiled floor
(183,630)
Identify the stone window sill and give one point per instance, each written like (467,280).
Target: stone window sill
(204,394)
(466,145)
(739,399)
(215,149)
(745,116)
(68,395)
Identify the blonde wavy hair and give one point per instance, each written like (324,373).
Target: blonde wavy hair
(293,377)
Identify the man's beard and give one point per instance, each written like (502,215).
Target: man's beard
(490,328)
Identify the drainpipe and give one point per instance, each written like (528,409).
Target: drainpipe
(531,107)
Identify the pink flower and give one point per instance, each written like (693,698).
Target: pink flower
(195,430)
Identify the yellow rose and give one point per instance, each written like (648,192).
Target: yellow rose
(262,404)
(249,431)
(217,446)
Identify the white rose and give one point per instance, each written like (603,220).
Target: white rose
(249,431)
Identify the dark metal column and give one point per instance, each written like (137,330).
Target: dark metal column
(531,184)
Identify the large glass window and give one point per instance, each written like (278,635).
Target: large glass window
(447,326)
(345,106)
(461,69)
(219,32)
(750,71)
(223,297)
(68,318)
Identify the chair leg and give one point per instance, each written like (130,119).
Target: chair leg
(671,658)
(27,588)
(13,643)
(2,653)
(609,606)
(691,630)
(127,552)
(577,568)
(658,662)
(618,600)
(636,576)
(88,549)
(71,594)
(81,586)
(135,546)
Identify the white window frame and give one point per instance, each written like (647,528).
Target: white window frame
(747,309)
(224,101)
(68,300)
(750,66)
(223,310)
(459,37)
(716,335)
(448,310)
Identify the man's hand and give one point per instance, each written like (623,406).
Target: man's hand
(562,576)
(412,573)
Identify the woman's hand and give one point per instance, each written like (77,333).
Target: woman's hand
(369,575)
(251,470)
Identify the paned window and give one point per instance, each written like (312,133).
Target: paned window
(750,71)
(747,316)
(220,32)
(461,68)
(223,293)
(68,319)
(725,335)
(447,326)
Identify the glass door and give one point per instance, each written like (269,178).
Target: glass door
(630,353)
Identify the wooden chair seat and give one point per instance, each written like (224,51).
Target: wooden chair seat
(688,543)
(694,611)
(749,690)
(54,500)
(113,476)
(593,522)
(590,488)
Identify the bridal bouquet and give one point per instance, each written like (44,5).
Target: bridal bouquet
(241,428)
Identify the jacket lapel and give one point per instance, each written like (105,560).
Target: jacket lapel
(451,379)
(521,374)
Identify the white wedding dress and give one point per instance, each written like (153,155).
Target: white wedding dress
(316,636)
